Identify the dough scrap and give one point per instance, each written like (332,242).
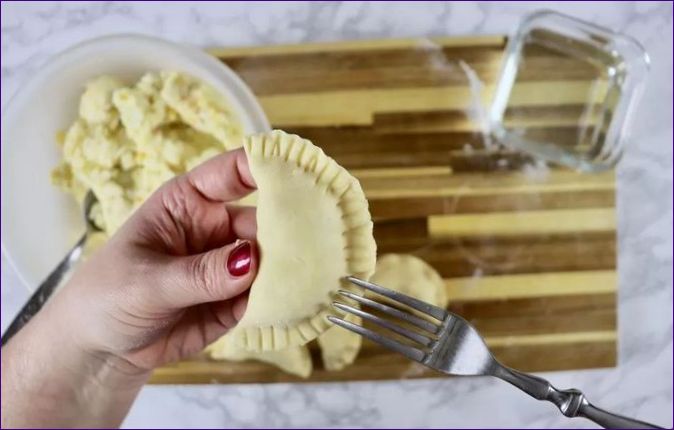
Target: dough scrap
(295,360)
(313,228)
(411,275)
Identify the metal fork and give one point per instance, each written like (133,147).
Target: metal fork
(452,345)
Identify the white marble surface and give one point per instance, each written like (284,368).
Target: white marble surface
(642,383)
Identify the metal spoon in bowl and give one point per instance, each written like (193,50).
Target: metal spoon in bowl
(49,285)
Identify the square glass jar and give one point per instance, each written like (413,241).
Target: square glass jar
(600,74)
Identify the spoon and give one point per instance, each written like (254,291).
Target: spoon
(49,285)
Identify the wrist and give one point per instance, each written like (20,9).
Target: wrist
(52,377)
(82,360)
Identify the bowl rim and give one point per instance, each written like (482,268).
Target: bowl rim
(245,98)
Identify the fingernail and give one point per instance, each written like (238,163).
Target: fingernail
(238,263)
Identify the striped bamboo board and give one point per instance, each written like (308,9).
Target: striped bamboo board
(528,254)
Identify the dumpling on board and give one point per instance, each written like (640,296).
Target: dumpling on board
(404,273)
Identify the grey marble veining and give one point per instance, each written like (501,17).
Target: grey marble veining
(641,385)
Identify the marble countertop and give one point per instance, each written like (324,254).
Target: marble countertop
(641,385)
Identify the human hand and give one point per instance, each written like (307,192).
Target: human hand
(172,279)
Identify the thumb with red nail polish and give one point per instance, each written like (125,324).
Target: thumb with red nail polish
(223,273)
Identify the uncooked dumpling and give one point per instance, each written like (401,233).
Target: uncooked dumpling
(295,360)
(340,347)
(412,276)
(313,228)
(400,272)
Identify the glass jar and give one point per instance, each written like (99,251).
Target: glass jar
(600,76)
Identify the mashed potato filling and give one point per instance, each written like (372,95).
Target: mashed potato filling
(128,140)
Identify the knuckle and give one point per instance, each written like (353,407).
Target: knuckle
(205,274)
(223,316)
(176,199)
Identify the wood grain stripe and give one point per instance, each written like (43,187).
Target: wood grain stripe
(567,356)
(427,67)
(430,132)
(542,306)
(516,223)
(357,107)
(463,258)
(397,64)
(401,172)
(460,161)
(533,119)
(556,339)
(358,45)
(416,207)
(531,285)
(498,183)
(520,329)
(519,318)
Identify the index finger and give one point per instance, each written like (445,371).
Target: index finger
(223,178)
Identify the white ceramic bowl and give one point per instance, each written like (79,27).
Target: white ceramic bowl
(40,222)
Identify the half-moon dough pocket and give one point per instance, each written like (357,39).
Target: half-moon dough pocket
(313,228)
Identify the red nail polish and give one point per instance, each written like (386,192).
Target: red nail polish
(238,263)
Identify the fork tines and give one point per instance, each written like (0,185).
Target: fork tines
(422,340)
(426,308)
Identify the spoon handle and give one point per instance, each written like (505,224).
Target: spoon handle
(45,290)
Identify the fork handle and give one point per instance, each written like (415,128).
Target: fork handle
(572,402)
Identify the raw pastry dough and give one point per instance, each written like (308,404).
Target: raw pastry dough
(295,360)
(340,347)
(412,276)
(313,228)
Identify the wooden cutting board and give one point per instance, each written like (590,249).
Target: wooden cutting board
(527,253)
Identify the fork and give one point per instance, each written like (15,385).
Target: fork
(451,345)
